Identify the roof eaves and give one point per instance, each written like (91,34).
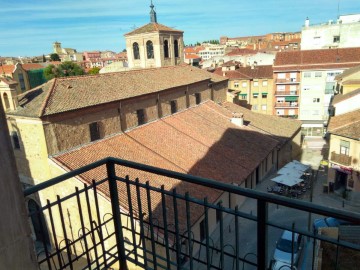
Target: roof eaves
(43,107)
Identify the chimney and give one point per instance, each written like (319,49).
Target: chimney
(238,119)
(307,22)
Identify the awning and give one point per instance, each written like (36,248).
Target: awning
(241,94)
(255,94)
(287,181)
(291,98)
(264,93)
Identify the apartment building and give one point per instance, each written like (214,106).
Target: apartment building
(211,50)
(342,33)
(305,84)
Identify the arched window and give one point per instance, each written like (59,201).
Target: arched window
(6,101)
(149,49)
(38,224)
(166,49)
(176,48)
(15,139)
(136,50)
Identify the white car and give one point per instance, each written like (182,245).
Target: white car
(288,251)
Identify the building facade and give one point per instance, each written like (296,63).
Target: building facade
(342,33)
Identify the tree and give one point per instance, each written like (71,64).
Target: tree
(44,59)
(54,57)
(94,70)
(124,50)
(65,69)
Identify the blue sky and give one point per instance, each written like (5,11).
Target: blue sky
(29,27)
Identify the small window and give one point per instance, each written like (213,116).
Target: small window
(244,84)
(236,84)
(307,74)
(316,100)
(264,107)
(255,107)
(197,98)
(255,95)
(140,117)
(344,147)
(136,51)
(149,49)
(264,95)
(176,48)
(336,39)
(256,83)
(281,76)
(318,74)
(173,105)
(94,131)
(166,49)
(264,83)
(15,139)
(202,230)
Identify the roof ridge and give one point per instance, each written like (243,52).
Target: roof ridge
(46,100)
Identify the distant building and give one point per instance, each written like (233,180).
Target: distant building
(305,83)
(250,87)
(342,33)
(67,54)
(154,45)
(211,50)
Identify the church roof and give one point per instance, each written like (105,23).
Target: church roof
(152,27)
(73,93)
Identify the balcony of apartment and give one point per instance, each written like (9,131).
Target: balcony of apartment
(81,228)
(341,158)
(287,93)
(287,81)
(289,104)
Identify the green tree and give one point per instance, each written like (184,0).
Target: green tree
(65,69)
(44,59)
(94,70)
(54,57)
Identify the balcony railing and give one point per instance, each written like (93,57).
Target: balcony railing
(287,80)
(341,158)
(286,104)
(287,93)
(123,219)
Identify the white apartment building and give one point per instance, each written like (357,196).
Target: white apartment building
(342,33)
(211,51)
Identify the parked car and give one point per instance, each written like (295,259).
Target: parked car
(328,222)
(278,265)
(287,248)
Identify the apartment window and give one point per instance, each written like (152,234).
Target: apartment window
(344,147)
(291,112)
(316,100)
(197,98)
(336,39)
(280,88)
(263,107)
(136,50)
(15,139)
(255,107)
(281,76)
(255,95)
(243,96)
(140,117)
(202,230)
(318,74)
(264,83)
(173,105)
(218,213)
(307,74)
(149,49)
(280,112)
(94,131)
(166,49)
(256,83)
(306,88)
(244,84)
(264,95)
(236,84)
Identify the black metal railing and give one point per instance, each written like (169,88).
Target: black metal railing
(123,219)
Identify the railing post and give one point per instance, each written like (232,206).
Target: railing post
(262,213)
(110,166)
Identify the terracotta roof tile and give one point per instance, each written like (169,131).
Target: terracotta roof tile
(199,141)
(347,125)
(152,27)
(32,66)
(339,98)
(317,57)
(238,51)
(72,93)
(247,72)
